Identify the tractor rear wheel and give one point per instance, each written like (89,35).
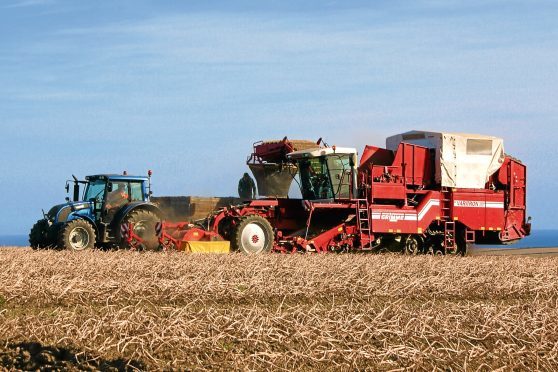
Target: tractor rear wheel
(252,235)
(144,223)
(77,235)
(38,236)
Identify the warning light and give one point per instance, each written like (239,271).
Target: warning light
(125,173)
(334,148)
(149,173)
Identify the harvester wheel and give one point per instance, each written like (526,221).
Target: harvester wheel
(413,245)
(252,235)
(144,223)
(462,245)
(38,236)
(77,235)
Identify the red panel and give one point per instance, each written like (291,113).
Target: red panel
(503,173)
(518,173)
(482,210)
(264,203)
(376,156)
(470,209)
(516,226)
(272,151)
(407,220)
(495,211)
(393,191)
(415,164)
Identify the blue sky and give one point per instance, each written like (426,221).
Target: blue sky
(185,87)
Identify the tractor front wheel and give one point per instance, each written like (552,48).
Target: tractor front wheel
(77,235)
(143,222)
(38,236)
(253,235)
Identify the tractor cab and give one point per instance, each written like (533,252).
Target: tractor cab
(109,193)
(326,173)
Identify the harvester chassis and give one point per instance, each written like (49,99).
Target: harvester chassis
(341,237)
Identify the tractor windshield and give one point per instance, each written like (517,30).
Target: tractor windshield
(95,190)
(325,177)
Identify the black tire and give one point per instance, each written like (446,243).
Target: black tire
(413,245)
(77,235)
(253,235)
(144,222)
(39,236)
(462,245)
(434,246)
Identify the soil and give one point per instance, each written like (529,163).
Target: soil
(33,356)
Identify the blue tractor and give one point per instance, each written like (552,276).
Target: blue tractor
(110,204)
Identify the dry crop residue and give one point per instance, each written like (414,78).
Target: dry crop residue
(163,311)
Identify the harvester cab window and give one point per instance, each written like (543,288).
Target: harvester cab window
(340,173)
(136,191)
(314,179)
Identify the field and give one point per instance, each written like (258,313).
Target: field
(126,310)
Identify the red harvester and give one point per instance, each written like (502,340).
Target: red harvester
(426,192)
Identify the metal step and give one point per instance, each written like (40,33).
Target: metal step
(449,236)
(363,222)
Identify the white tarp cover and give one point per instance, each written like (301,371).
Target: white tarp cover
(462,160)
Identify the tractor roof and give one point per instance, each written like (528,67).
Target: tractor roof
(116,177)
(318,151)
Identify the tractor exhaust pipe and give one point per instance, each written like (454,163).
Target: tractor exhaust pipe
(76,188)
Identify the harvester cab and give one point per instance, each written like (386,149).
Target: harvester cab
(110,206)
(327,173)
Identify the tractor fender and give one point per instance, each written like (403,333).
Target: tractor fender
(125,210)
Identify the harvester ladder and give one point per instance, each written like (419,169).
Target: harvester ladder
(363,222)
(445,205)
(449,237)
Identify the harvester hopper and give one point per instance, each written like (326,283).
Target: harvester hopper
(268,163)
